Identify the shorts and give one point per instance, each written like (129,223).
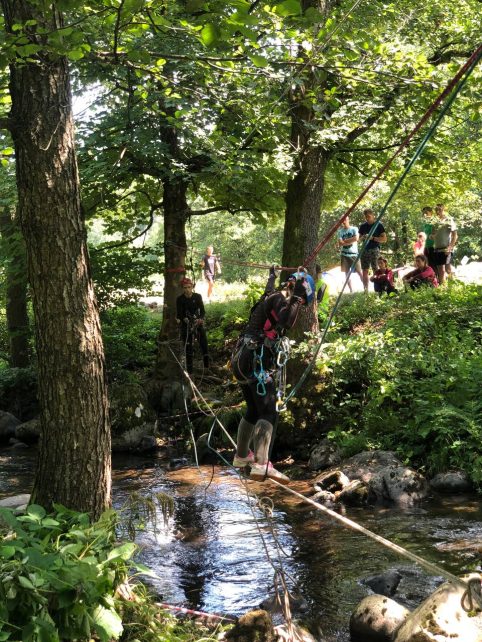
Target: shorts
(348,261)
(442,257)
(370,258)
(209,277)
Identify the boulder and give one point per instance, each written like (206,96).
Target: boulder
(376,619)
(254,626)
(15,501)
(324,455)
(386,477)
(453,482)
(385,583)
(29,431)
(441,617)
(355,493)
(8,423)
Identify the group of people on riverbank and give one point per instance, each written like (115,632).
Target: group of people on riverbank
(433,251)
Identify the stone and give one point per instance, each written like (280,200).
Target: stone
(385,583)
(254,626)
(29,431)
(15,501)
(355,493)
(441,618)
(376,618)
(324,455)
(8,424)
(453,482)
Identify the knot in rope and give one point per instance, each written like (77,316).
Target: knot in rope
(471,601)
(266,506)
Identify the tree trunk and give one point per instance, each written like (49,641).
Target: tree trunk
(74,464)
(16,295)
(166,394)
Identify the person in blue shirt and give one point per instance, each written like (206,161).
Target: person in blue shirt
(371,254)
(348,244)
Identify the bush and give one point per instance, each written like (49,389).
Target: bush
(18,392)
(58,576)
(130,334)
(406,377)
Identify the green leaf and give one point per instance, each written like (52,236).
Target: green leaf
(125,552)
(107,623)
(259,61)
(7,552)
(36,511)
(25,582)
(209,34)
(288,8)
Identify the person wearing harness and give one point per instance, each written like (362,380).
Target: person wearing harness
(259,353)
(190,316)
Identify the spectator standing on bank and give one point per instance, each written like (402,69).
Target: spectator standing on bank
(370,255)
(348,244)
(419,245)
(211,268)
(428,226)
(190,317)
(445,236)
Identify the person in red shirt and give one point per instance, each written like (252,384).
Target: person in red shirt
(383,278)
(422,275)
(419,245)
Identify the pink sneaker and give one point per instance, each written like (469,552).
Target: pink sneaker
(259,472)
(242,462)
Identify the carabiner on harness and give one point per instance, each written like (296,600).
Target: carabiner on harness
(260,373)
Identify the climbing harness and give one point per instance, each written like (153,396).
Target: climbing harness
(259,373)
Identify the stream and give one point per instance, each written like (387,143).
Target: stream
(209,555)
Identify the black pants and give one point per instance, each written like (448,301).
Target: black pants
(258,406)
(188,335)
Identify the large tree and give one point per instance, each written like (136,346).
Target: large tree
(74,465)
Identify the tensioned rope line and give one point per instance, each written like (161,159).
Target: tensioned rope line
(433,568)
(471,592)
(462,79)
(474,58)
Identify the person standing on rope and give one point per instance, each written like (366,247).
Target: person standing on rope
(348,242)
(211,268)
(258,354)
(371,253)
(190,317)
(444,239)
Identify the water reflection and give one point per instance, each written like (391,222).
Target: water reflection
(209,555)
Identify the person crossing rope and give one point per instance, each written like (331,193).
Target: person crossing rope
(255,360)
(190,317)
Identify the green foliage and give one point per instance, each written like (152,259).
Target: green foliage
(403,374)
(59,574)
(129,334)
(224,321)
(122,274)
(18,392)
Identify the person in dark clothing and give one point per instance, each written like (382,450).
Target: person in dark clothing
(190,317)
(254,363)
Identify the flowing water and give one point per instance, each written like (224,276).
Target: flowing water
(217,552)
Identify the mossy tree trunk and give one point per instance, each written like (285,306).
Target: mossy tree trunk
(74,463)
